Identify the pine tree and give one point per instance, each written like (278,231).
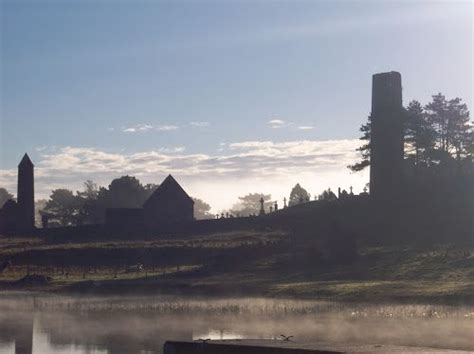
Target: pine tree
(364,150)
(419,135)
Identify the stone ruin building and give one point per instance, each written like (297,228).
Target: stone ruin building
(169,204)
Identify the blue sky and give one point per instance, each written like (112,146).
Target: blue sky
(231,97)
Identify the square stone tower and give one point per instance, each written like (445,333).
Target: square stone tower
(386,159)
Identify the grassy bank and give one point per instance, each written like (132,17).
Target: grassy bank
(244,263)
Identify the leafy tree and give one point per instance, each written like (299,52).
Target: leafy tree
(327,195)
(4,196)
(125,192)
(64,207)
(298,195)
(90,192)
(250,204)
(89,211)
(201,210)
(149,189)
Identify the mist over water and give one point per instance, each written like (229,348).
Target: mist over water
(71,324)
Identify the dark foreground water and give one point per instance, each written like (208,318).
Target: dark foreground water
(44,323)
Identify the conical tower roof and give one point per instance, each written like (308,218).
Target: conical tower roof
(25,161)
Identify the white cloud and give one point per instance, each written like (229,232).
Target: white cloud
(248,166)
(278,123)
(199,124)
(166,127)
(142,128)
(172,150)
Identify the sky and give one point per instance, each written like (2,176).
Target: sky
(230,97)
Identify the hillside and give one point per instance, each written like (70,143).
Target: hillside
(267,263)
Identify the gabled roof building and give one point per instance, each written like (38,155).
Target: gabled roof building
(169,203)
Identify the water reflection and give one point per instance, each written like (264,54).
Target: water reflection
(52,324)
(79,333)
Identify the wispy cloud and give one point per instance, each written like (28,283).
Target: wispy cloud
(166,127)
(143,128)
(172,149)
(139,128)
(199,124)
(278,123)
(272,167)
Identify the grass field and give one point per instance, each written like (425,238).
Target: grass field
(245,263)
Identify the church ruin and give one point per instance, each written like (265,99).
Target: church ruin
(169,204)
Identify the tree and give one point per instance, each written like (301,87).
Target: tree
(364,149)
(201,210)
(452,129)
(298,195)
(64,207)
(436,133)
(149,189)
(250,204)
(4,196)
(327,195)
(89,212)
(90,192)
(125,192)
(419,135)
(40,204)
(460,130)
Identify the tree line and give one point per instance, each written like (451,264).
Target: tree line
(88,206)
(65,207)
(438,136)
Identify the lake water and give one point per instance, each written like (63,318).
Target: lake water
(43,323)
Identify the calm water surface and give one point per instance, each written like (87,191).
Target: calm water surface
(42,323)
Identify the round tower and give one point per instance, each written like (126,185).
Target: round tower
(26,195)
(386,159)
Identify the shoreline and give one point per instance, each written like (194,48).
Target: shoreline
(125,289)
